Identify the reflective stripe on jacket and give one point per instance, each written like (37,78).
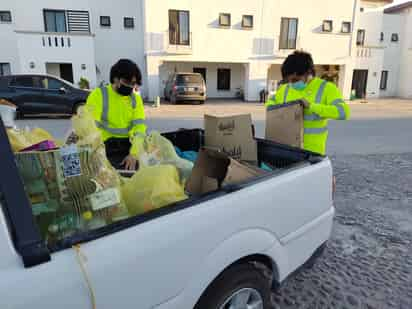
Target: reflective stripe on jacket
(325,103)
(117,116)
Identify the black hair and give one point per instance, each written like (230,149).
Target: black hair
(299,63)
(127,69)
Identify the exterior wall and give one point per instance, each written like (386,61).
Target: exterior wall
(29,42)
(236,72)
(81,52)
(405,74)
(253,55)
(258,48)
(392,24)
(8,49)
(370,56)
(29,14)
(116,42)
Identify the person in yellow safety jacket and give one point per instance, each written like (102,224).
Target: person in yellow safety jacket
(119,114)
(321,99)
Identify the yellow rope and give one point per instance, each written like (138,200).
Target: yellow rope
(81,258)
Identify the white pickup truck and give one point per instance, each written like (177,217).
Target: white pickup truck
(209,252)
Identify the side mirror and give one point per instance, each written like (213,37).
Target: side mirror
(63,90)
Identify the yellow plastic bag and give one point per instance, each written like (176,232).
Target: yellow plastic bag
(84,127)
(151,188)
(159,150)
(20,139)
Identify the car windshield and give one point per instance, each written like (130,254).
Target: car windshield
(188,79)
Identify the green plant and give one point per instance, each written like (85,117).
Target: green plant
(84,83)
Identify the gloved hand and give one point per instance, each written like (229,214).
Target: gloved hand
(137,146)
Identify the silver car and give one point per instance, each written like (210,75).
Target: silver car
(185,87)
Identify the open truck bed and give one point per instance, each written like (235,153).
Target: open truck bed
(172,257)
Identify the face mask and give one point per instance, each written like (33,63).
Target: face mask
(124,90)
(300,85)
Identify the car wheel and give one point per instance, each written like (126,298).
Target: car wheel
(240,286)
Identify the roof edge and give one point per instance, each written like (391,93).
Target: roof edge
(398,8)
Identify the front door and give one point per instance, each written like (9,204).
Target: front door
(359,83)
(66,72)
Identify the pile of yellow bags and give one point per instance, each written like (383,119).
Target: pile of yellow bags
(21,139)
(151,188)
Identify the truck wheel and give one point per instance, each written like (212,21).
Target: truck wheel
(240,286)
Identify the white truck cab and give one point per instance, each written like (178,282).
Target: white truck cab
(224,249)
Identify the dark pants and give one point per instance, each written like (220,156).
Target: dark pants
(116,150)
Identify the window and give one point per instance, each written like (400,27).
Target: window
(52,84)
(224,20)
(179,27)
(223,79)
(247,21)
(25,81)
(360,38)
(105,21)
(395,37)
(288,33)
(327,26)
(128,22)
(5,69)
(5,16)
(382,38)
(346,27)
(184,79)
(384,80)
(78,21)
(55,21)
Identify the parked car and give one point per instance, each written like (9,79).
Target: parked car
(182,87)
(224,249)
(41,94)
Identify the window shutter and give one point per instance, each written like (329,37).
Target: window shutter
(78,21)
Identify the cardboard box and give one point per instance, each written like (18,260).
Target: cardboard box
(284,124)
(232,135)
(214,169)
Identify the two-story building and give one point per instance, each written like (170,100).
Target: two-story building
(237,45)
(383,56)
(68,38)
(240,45)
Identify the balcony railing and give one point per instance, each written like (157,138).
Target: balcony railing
(368,51)
(169,43)
(54,39)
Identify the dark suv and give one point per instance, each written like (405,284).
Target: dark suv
(185,87)
(41,94)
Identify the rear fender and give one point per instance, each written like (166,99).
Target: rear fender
(243,244)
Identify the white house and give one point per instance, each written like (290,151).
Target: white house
(237,45)
(69,38)
(383,60)
(241,44)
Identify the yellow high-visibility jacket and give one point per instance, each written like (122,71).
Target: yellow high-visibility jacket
(325,103)
(118,116)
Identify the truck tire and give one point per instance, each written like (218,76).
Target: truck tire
(240,286)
